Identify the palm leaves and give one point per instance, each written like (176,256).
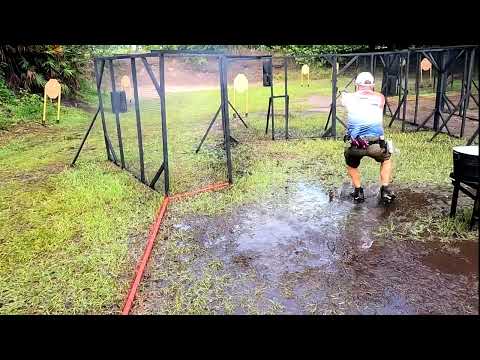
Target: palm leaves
(29,67)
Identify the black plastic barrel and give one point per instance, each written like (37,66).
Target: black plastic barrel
(466,163)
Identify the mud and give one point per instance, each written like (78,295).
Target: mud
(310,252)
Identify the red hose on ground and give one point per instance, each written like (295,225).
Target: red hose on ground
(143,262)
(151,239)
(211,187)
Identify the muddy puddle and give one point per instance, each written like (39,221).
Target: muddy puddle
(312,252)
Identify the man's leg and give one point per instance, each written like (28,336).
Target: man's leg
(386,172)
(381,155)
(352,158)
(354,174)
(386,193)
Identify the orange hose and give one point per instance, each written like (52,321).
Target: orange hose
(217,186)
(151,240)
(143,262)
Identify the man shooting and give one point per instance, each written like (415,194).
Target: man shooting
(366,136)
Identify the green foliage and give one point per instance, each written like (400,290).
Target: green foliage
(30,67)
(6,95)
(27,106)
(185,47)
(309,53)
(23,107)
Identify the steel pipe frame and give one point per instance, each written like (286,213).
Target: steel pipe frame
(171,53)
(402,85)
(446,61)
(427,52)
(332,58)
(270,109)
(477,132)
(441,97)
(225,119)
(160,87)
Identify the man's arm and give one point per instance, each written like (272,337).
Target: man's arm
(344,98)
(381,103)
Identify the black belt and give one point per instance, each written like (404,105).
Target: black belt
(370,140)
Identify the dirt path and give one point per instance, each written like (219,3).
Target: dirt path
(309,252)
(181,75)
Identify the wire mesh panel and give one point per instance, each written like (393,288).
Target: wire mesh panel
(454,94)
(441,97)
(309,99)
(109,115)
(434,89)
(151,100)
(125,111)
(149,108)
(249,108)
(348,68)
(421,97)
(193,107)
(133,123)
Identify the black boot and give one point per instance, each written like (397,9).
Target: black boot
(387,195)
(358,195)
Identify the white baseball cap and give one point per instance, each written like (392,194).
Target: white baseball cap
(364,78)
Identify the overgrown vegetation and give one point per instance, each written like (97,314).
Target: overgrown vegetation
(20,107)
(29,67)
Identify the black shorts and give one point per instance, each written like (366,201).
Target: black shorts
(354,155)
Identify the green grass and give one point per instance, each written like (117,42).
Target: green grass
(431,228)
(66,235)
(69,238)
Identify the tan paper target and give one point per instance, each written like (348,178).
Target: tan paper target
(305,69)
(125,82)
(240,83)
(52,88)
(425,65)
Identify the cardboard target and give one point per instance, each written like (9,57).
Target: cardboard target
(52,88)
(425,65)
(240,83)
(125,82)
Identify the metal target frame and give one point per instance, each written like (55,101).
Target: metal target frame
(99,66)
(441,58)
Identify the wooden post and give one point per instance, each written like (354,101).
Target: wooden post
(58,107)
(44,106)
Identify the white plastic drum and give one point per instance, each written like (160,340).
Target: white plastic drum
(466,163)
(467,150)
